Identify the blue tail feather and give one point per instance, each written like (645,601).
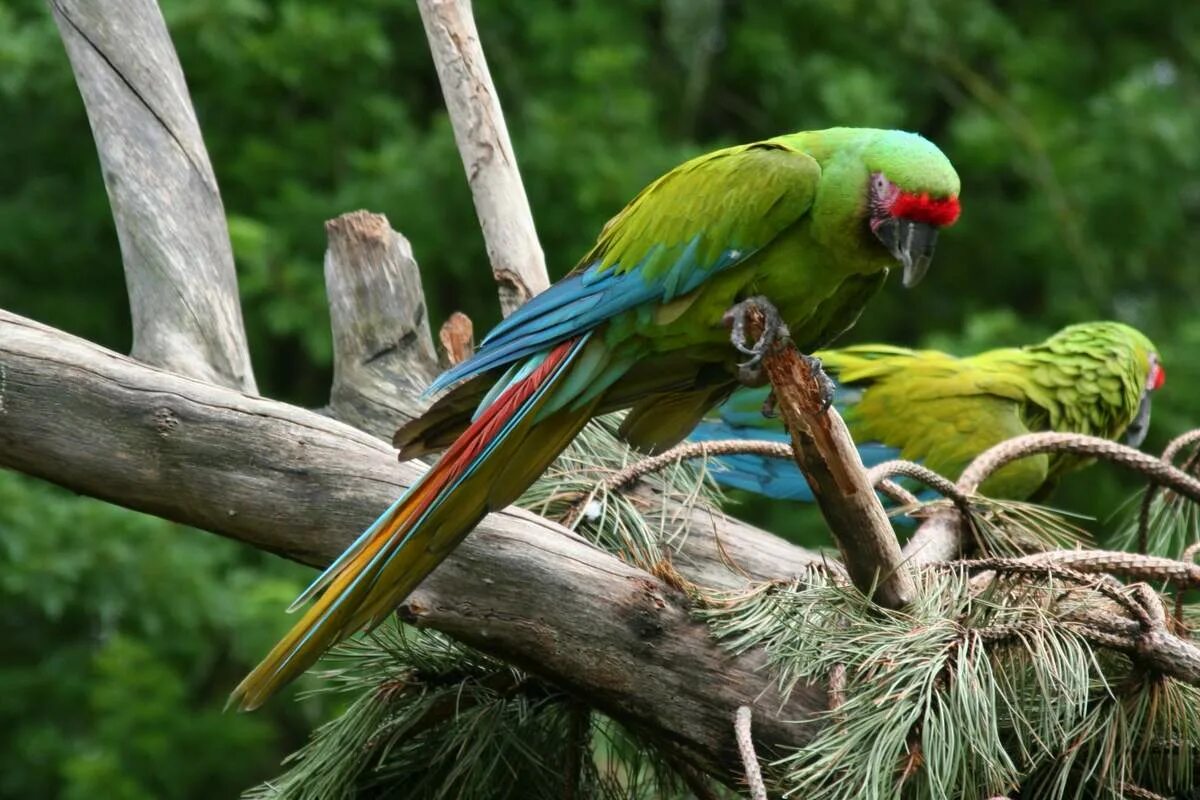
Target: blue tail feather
(776,478)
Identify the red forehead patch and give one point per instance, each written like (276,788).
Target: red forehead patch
(923,208)
(1158,376)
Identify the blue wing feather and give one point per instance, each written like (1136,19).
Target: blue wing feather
(778,478)
(579,303)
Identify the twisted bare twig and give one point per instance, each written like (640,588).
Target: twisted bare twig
(1138,793)
(1143,635)
(944,535)
(1118,562)
(1189,558)
(733,447)
(1036,443)
(879,474)
(1015,566)
(745,742)
(691,450)
(1168,456)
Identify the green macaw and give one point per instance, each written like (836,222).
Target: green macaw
(812,221)
(1093,378)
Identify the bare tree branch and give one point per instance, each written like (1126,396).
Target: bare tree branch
(745,741)
(301,484)
(383,356)
(170,220)
(500,202)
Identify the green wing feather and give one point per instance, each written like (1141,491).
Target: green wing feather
(708,215)
(939,410)
(737,199)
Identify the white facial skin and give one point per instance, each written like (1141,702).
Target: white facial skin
(1135,434)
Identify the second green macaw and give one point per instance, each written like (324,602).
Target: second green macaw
(811,221)
(1093,378)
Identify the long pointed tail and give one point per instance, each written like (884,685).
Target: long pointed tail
(488,466)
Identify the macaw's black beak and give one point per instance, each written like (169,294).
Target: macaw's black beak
(1135,434)
(911,243)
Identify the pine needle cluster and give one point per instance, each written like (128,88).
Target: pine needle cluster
(429,718)
(981,688)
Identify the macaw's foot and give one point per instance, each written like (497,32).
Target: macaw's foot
(824,383)
(773,329)
(768,406)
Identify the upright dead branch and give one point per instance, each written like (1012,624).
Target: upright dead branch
(512,244)
(383,356)
(826,455)
(170,221)
(457,336)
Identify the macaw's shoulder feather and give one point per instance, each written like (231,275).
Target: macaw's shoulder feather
(704,216)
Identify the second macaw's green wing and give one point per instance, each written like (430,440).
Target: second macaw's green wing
(944,423)
(949,433)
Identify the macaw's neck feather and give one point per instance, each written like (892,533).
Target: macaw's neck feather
(1082,381)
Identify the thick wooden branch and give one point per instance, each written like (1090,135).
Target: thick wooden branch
(826,454)
(170,220)
(298,483)
(487,153)
(383,356)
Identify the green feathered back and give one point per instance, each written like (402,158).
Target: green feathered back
(943,411)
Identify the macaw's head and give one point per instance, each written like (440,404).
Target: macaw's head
(912,193)
(1124,353)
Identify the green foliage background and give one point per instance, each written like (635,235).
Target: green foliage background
(1075,129)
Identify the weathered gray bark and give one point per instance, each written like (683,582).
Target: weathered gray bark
(383,356)
(487,153)
(170,220)
(301,484)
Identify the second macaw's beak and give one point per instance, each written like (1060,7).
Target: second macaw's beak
(1135,434)
(911,243)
